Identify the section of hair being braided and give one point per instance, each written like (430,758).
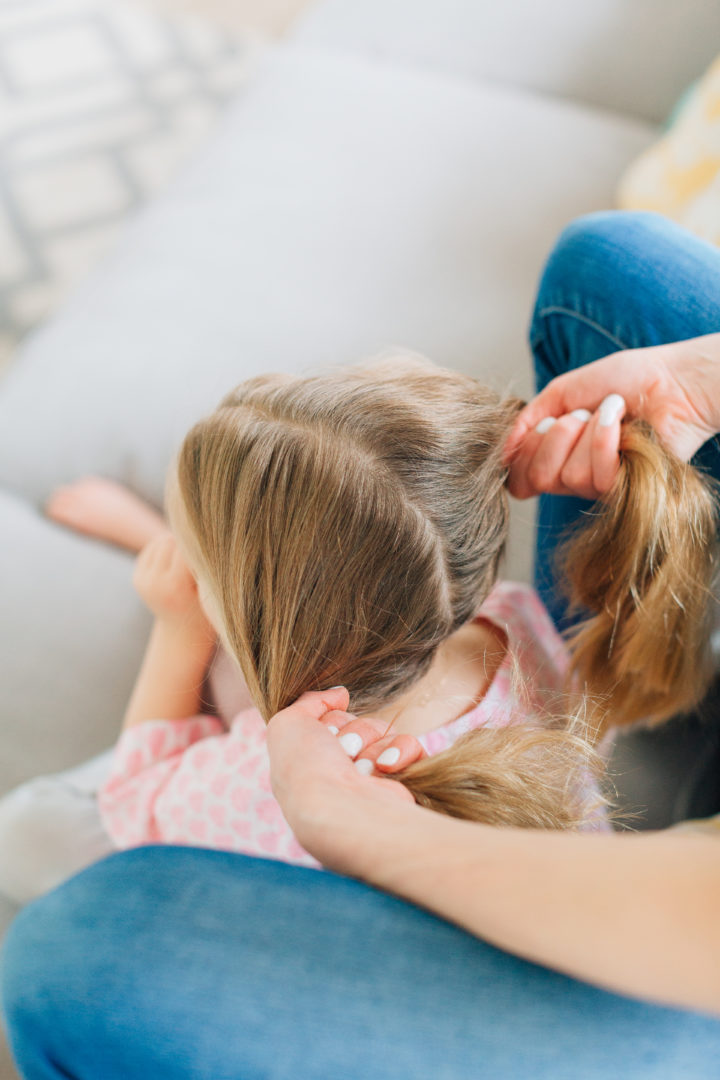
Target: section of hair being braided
(642,565)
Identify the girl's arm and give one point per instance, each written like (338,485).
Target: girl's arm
(636,914)
(182,640)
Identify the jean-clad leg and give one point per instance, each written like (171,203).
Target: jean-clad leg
(616,280)
(177,963)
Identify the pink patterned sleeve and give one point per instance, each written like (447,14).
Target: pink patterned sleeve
(146,757)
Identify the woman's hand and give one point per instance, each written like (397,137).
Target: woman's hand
(675,388)
(317,751)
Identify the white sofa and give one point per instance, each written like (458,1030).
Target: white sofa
(395,174)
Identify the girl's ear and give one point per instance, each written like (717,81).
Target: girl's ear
(644,565)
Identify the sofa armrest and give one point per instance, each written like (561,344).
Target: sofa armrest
(635,58)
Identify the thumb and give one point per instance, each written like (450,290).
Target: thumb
(312,705)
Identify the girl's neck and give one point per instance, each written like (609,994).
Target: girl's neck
(460,676)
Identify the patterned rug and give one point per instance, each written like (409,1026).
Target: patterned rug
(100,103)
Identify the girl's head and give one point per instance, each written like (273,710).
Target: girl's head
(346,524)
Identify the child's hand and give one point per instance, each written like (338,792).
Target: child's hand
(164,582)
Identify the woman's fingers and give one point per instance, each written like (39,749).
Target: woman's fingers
(606,442)
(629,372)
(370,745)
(394,753)
(552,442)
(576,454)
(559,398)
(591,468)
(367,741)
(317,704)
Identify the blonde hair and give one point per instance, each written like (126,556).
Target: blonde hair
(349,522)
(643,566)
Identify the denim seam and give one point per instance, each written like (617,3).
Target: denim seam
(554,310)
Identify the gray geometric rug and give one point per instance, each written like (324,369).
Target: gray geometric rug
(100,103)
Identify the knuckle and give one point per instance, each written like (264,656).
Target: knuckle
(566,424)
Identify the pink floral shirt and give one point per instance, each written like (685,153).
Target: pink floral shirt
(201,782)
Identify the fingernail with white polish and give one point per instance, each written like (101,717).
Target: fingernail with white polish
(364,765)
(389,756)
(581,414)
(351,743)
(332,729)
(610,409)
(545,425)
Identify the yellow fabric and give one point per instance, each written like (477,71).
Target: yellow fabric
(710,826)
(679,176)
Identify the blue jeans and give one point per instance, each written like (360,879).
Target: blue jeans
(183,964)
(167,962)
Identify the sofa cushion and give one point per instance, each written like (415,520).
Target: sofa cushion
(636,57)
(73,635)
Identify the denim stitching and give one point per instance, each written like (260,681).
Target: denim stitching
(583,318)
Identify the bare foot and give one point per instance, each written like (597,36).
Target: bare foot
(106,509)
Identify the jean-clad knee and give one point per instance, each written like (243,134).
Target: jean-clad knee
(179,964)
(634,278)
(615,280)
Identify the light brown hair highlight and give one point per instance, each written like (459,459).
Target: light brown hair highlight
(642,565)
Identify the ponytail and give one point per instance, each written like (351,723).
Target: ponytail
(643,568)
(524,776)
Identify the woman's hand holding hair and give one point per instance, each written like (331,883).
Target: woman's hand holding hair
(675,388)
(334,803)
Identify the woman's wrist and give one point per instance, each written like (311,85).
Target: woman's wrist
(363,836)
(695,365)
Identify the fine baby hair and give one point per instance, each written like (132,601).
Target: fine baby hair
(349,522)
